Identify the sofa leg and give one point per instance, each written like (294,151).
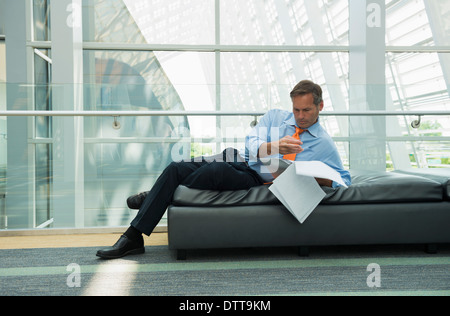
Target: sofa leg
(431,249)
(181,254)
(303,251)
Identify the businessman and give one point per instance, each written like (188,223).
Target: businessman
(295,135)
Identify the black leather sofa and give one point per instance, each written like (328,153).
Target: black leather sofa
(401,207)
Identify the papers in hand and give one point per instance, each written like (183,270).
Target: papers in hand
(318,169)
(298,189)
(275,166)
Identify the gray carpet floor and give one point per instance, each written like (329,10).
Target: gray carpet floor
(403,270)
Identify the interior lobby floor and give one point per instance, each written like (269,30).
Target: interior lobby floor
(73,241)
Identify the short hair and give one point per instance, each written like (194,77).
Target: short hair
(306,87)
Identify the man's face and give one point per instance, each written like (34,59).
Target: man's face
(306,113)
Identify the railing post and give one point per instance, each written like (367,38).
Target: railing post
(20,196)
(367,83)
(68,146)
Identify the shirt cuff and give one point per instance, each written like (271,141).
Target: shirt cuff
(335,185)
(254,149)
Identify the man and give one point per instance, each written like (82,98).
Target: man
(272,137)
(295,135)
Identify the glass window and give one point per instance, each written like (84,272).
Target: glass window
(116,80)
(43,187)
(3,139)
(417,81)
(143,146)
(41,15)
(418,22)
(149,21)
(109,21)
(42,91)
(259,82)
(2,75)
(120,73)
(43,129)
(290,22)
(114,171)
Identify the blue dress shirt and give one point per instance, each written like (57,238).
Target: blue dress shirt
(317,144)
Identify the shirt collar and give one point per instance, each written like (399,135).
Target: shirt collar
(313,130)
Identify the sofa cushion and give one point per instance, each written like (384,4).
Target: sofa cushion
(441,175)
(385,187)
(259,195)
(367,187)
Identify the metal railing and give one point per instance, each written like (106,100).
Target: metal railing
(116,114)
(416,117)
(214,113)
(239,48)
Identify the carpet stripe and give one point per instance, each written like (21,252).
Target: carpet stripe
(211,266)
(375,292)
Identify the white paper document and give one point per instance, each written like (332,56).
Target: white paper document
(298,190)
(318,169)
(275,166)
(299,194)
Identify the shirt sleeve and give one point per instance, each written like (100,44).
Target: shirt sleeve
(330,156)
(336,163)
(258,136)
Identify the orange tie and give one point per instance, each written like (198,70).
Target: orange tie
(298,131)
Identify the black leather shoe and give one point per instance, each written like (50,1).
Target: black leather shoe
(135,201)
(123,247)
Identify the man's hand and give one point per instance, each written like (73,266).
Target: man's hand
(286,145)
(324,182)
(289,145)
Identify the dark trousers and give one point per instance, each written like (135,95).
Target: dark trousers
(203,175)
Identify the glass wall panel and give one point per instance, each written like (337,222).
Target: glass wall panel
(3,155)
(123,161)
(3,179)
(426,154)
(43,184)
(43,96)
(109,21)
(3,137)
(41,16)
(18,158)
(418,81)
(113,172)
(262,81)
(127,157)
(417,22)
(2,22)
(150,21)
(290,22)
(343,149)
(2,76)
(118,81)
(193,76)
(417,77)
